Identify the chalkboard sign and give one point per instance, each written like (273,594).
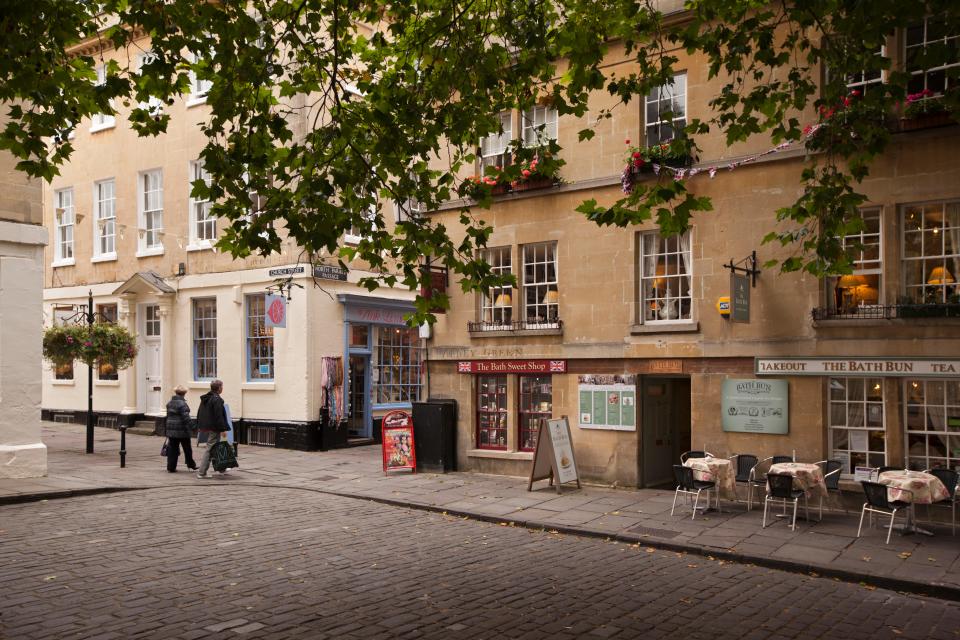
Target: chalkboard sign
(553,458)
(398,449)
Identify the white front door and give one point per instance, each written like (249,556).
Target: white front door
(152,359)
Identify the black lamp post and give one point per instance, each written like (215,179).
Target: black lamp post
(90,320)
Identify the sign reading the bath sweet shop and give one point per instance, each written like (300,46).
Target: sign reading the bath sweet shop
(755,406)
(895,367)
(512,366)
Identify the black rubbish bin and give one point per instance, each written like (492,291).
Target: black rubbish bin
(435,435)
(378,430)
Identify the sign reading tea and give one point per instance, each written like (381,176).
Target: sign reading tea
(755,406)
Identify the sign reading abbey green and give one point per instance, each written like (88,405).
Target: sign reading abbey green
(755,406)
(894,367)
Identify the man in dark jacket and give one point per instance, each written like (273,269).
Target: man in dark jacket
(212,419)
(178,430)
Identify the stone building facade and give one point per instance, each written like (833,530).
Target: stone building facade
(619,328)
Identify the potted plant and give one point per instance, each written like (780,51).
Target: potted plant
(535,167)
(104,342)
(675,154)
(492,183)
(925,109)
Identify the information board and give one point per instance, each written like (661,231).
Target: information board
(398,448)
(755,406)
(608,402)
(553,458)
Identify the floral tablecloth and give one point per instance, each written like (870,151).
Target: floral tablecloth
(925,488)
(719,470)
(806,476)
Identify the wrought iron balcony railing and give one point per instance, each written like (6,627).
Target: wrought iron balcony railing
(517,325)
(889,312)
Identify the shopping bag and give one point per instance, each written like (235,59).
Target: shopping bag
(222,456)
(165,448)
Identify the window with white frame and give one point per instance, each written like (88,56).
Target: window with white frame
(933,423)
(856,424)
(203,226)
(107,313)
(150,192)
(539,125)
(861,288)
(866,80)
(357,232)
(151,321)
(153,104)
(931,252)
(666,278)
(199,87)
(397,365)
(922,39)
(495,148)
(204,338)
(496,305)
(63,316)
(63,217)
(541,292)
(259,340)
(102,120)
(666,111)
(105,219)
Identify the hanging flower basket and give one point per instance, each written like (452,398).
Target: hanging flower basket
(106,343)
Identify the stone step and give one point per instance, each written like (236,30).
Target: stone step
(143,428)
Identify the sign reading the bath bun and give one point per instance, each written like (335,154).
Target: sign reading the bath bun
(512,366)
(553,458)
(874,367)
(398,451)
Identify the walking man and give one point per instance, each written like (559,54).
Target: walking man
(211,418)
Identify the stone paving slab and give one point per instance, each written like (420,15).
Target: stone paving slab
(915,563)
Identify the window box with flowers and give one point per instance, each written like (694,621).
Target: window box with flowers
(925,110)
(535,167)
(640,160)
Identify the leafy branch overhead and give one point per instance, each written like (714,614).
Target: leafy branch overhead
(328,110)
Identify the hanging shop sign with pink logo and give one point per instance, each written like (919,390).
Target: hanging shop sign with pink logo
(275,312)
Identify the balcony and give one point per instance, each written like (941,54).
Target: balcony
(889,312)
(532,327)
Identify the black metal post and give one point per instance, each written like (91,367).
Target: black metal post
(90,377)
(123,447)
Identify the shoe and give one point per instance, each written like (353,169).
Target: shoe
(193,468)
(202,476)
(171,470)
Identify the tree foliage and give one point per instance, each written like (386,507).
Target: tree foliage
(323,117)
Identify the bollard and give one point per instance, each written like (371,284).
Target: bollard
(123,447)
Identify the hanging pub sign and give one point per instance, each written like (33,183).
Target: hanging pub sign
(553,458)
(398,451)
(739,298)
(512,366)
(275,312)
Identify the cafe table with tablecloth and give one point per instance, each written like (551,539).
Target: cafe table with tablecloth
(719,470)
(923,488)
(806,476)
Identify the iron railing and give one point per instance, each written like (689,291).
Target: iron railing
(889,312)
(517,325)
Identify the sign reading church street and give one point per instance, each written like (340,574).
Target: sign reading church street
(894,367)
(285,271)
(512,366)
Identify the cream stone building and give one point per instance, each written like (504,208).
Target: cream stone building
(22,236)
(125,228)
(620,331)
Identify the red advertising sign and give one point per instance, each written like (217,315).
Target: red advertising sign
(512,366)
(276,311)
(398,449)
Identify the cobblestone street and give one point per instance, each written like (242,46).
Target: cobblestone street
(221,561)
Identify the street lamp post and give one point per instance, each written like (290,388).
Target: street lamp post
(90,319)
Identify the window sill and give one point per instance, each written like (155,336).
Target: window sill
(63,383)
(194,101)
(390,406)
(106,383)
(666,327)
(102,127)
(258,386)
(501,455)
(153,251)
(69,262)
(200,246)
(351,239)
(107,257)
(199,384)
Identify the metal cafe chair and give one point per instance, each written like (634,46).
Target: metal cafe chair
(746,466)
(780,489)
(877,502)
(950,480)
(690,486)
(781,459)
(831,478)
(878,470)
(694,454)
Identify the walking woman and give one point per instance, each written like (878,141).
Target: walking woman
(178,430)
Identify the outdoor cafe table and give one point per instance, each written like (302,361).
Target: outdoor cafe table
(806,476)
(719,470)
(915,487)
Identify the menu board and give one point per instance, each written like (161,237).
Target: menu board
(755,406)
(608,402)
(553,458)
(398,449)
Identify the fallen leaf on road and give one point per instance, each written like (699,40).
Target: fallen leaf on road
(650,549)
(614,513)
(866,558)
(49,578)
(904,554)
(692,566)
(932,559)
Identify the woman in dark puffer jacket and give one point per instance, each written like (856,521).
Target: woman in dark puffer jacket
(178,430)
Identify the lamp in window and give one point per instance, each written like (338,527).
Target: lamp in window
(503,300)
(58,212)
(940,275)
(552,296)
(847,291)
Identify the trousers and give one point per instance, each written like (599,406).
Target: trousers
(173,453)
